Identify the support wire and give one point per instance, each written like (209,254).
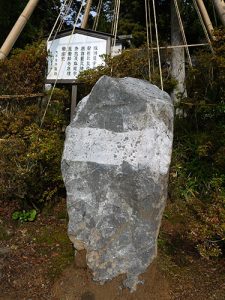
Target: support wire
(59,15)
(99,8)
(157,43)
(71,35)
(182,31)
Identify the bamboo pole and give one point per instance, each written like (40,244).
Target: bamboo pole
(205,17)
(8,97)
(180,46)
(220,8)
(86,14)
(17,28)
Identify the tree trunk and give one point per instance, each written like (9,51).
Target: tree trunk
(177,58)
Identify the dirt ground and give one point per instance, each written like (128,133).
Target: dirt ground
(37,262)
(76,283)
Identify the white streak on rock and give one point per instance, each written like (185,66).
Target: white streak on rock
(138,148)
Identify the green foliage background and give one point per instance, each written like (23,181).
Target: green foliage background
(133,63)
(197,179)
(30,154)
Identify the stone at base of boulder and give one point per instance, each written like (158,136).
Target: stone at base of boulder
(78,245)
(80,259)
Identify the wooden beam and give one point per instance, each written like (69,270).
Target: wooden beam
(73,101)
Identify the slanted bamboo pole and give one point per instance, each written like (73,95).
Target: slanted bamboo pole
(220,8)
(205,17)
(86,14)
(17,28)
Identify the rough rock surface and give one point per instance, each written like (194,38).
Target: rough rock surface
(115,167)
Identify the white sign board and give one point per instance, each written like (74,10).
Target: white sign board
(69,55)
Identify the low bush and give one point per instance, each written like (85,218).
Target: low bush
(132,63)
(197,186)
(24,72)
(30,154)
(197,179)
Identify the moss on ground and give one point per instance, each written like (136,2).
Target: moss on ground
(55,243)
(5,235)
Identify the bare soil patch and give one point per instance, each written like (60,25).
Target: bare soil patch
(37,262)
(77,283)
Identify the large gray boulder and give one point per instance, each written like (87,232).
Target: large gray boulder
(115,167)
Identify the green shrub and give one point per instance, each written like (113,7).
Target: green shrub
(30,155)
(197,187)
(197,177)
(132,63)
(24,71)
(25,216)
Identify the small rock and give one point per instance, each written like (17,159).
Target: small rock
(80,259)
(88,296)
(14,247)
(4,251)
